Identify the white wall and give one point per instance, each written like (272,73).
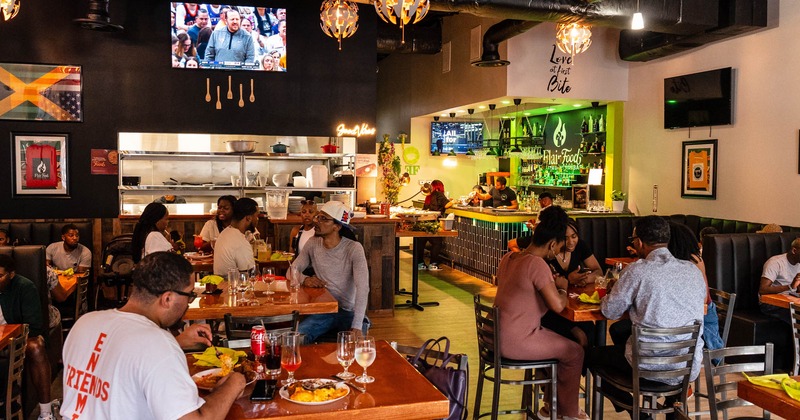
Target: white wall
(758,177)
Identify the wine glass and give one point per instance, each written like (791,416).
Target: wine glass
(345,352)
(293,278)
(365,355)
(290,355)
(268,275)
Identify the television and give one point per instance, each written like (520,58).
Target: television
(202,37)
(699,99)
(456,136)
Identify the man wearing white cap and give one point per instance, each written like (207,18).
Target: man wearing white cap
(341,267)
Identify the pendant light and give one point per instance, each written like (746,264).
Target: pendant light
(516,151)
(573,38)
(637,22)
(470,142)
(401,12)
(491,151)
(10,8)
(338,19)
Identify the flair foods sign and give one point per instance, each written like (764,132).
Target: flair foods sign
(355,131)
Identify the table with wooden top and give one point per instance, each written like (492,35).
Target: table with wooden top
(773,400)
(577,311)
(7,332)
(207,265)
(625,261)
(308,300)
(418,238)
(779,300)
(399,391)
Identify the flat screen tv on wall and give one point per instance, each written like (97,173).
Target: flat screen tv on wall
(223,37)
(456,136)
(699,99)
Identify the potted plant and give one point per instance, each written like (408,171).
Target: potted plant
(618,201)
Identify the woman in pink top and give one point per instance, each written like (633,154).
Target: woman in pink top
(526,290)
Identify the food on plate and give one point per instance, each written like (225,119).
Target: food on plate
(227,362)
(315,391)
(281,256)
(212,279)
(209,357)
(208,381)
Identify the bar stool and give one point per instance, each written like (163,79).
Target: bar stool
(488,328)
(12,402)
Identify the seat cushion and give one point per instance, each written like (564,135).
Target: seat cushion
(625,381)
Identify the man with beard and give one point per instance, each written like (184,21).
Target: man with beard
(69,253)
(108,374)
(341,267)
(232,249)
(231,44)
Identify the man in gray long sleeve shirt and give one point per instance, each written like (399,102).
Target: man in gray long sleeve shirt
(658,291)
(231,44)
(341,266)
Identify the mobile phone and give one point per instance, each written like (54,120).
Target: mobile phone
(586,270)
(264,390)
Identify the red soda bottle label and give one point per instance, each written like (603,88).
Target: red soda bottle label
(257,340)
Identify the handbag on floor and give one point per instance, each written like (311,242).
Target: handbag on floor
(450,381)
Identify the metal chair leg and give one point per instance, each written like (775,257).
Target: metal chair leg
(479,392)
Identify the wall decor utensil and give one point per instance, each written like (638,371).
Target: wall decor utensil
(252,94)
(208,89)
(230,92)
(241,98)
(219,104)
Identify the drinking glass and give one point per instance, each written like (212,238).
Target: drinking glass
(365,355)
(242,286)
(290,355)
(345,352)
(272,353)
(268,275)
(293,278)
(233,278)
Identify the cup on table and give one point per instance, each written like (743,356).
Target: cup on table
(272,354)
(233,279)
(601,284)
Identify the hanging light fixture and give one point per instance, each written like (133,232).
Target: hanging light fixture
(637,22)
(491,151)
(573,38)
(10,8)
(338,19)
(470,142)
(400,12)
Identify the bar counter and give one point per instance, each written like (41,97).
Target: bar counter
(483,235)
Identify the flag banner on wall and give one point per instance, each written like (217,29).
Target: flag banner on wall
(36,92)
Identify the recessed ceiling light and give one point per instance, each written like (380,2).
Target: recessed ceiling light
(526,113)
(506,102)
(442,115)
(577,105)
(481,106)
(551,109)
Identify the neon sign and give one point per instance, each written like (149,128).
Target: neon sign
(357,130)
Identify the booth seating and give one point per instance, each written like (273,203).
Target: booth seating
(734,263)
(45,233)
(30,262)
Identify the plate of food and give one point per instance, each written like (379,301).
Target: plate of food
(315,391)
(198,256)
(207,379)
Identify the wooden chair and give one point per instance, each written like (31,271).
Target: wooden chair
(458,361)
(12,400)
(795,312)
(646,384)
(722,379)
(237,329)
(488,329)
(81,305)
(725,303)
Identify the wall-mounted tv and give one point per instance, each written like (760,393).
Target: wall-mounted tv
(699,99)
(218,36)
(457,136)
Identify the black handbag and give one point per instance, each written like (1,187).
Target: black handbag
(450,381)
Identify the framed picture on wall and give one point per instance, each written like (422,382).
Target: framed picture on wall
(40,92)
(40,164)
(699,171)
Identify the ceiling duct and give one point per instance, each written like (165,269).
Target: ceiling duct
(498,33)
(735,17)
(422,38)
(98,18)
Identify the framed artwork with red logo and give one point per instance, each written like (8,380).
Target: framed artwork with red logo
(40,164)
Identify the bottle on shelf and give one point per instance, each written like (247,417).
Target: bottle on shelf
(591,122)
(596,126)
(601,124)
(584,125)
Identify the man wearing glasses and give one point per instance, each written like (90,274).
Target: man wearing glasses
(657,291)
(341,267)
(123,363)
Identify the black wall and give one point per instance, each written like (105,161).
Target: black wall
(128,85)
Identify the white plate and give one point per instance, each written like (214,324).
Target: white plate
(376,216)
(284,392)
(204,373)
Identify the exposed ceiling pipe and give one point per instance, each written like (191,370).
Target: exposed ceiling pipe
(498,33)
(420,39)
(98,18)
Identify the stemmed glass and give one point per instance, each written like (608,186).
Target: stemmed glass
(268,275)
(345,352)
(290,355)
(365,355)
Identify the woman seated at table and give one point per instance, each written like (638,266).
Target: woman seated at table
(526,291)
(213,227)
(150,233)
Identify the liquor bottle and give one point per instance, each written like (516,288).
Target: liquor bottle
(582,148)
(603,147)
(596,126)
(591,123)
(584,126)
(602,124)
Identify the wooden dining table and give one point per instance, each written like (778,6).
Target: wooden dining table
(775,401)
(7,332)
(417,238)
(578,311)
(779,300)
(307,301)
(399,391)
